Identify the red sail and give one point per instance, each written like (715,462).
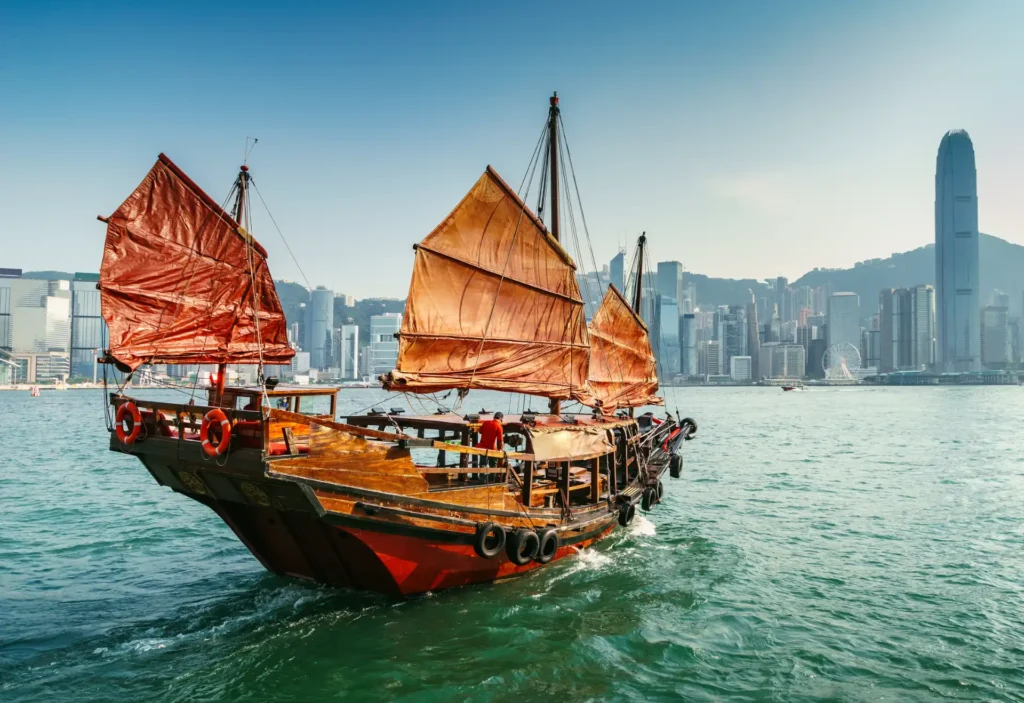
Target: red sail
(493,304)
(623,372)
(182,283)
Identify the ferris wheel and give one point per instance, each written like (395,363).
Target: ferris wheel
(841,362)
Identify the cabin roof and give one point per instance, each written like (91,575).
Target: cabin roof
(279,391)
(452,421)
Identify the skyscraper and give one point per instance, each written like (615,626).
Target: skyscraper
(615,271)
(844,319)
(668,344)
(670,280)
(753,338)
(383,344)
(957,279)
(995,340)
(348,351)
(320,328)
(688,342)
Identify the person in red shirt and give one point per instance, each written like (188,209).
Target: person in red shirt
(492,435)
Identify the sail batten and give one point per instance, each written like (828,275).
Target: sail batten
(623,370)
(183,283)
(493,304)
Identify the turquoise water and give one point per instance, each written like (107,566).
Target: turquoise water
(851,544)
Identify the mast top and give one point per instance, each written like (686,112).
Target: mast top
(554,99)
(245,168)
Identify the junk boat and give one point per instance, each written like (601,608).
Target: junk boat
(386,501)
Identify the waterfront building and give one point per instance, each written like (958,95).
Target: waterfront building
(383,343)
(957,277)
(844,319)
(907,328)
(714,358)
(348,352)
(871,354)
(300,363)
(688,344)
(815,354)
(741,369)
(320,327)
(89,335)
(616,272)
(995,339)
(669,343)
(732,332)
(787,361)
(753,338)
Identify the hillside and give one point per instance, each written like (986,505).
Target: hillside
(1001,263)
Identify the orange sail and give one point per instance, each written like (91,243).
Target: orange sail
(182,283)
(623,372)
(493,303)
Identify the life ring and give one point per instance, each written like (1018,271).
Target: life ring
(128,411)
(548,545)
(522,546)
(626,514)
(489,540)
(215,419)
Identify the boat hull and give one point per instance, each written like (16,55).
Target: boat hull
(379,557)
(285,525)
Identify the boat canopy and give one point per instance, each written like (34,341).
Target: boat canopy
(493,304)
(183,283)
(623,370)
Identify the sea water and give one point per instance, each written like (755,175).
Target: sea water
(852,544)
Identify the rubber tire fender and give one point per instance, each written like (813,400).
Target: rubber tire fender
(521,546)
(489,540)
(649,499)
(660,490)
(627,511)
(548,544)
(692,431)
(675,466)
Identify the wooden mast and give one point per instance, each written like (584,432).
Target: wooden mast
(554,405)
(243,182)
(638,288)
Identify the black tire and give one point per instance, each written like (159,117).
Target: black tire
(649,499)
(691,431)
(547,545)
(522,546)
(675,466)
(660,489)
(626,514)
(489,540)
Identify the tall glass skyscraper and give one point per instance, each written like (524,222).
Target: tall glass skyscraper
(958,323)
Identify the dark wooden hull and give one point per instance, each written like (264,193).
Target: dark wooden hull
(282,521)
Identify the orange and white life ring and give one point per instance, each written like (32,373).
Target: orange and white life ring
(215,418)
(129,414)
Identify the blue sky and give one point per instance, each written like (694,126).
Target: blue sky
(747,138)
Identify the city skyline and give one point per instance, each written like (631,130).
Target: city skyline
(674,129)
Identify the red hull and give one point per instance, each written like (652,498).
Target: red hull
(304,546)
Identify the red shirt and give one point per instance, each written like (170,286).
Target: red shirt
(491,435)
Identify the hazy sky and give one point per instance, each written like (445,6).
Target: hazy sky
(747,138)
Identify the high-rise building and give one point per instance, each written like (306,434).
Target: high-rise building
(348,352)
(616,272)
(753,338)
(906,328)
(922,327)
(670,280)
(815,354)
(688,344)
(781,283)
(957,277)
(89,335)
(741,369)
(670,360)
(732,333)
(783,360)
(383,343)
(714,355)
(995,338)
(320,327)
(844,319)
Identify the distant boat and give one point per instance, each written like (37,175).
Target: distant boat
(35,391)
(389,502)
(799,387)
